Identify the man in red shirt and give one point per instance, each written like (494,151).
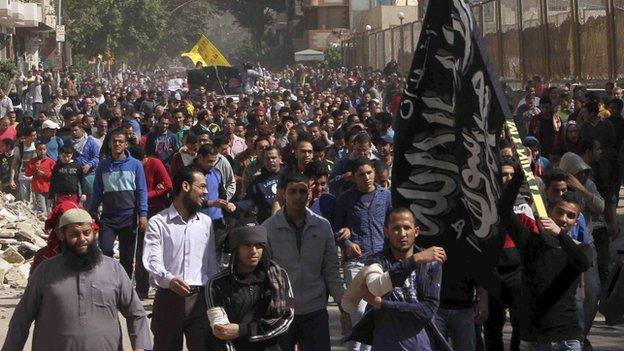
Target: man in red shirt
(158,187)
(6,130)
(40,169)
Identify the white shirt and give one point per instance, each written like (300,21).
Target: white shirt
(175,248)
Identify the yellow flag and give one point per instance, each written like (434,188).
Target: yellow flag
(206,53)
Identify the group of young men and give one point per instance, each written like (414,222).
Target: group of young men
(241,214)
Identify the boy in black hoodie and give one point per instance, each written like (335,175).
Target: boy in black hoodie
(254,293)
(68,180)
(552,266)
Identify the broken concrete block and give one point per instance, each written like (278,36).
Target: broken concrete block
(29,233)
(7,234)
(28,250)
(12,256)
(9,242)
(5,267)
(7,215)
(17,276)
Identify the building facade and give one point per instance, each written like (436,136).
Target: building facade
(28,33)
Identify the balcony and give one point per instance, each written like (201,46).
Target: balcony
(321,3)
(5,9)
(17,10)
(29,16)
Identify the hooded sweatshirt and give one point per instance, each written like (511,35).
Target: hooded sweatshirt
(120,187)
(573,164)
(247,299)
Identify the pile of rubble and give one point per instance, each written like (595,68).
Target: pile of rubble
(21,236)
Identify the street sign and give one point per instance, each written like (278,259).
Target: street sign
(60,33)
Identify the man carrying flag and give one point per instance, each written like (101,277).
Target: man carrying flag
(446,158)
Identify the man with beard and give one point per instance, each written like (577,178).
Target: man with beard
(179,254)
(74,298)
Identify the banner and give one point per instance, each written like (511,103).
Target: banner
(206,53)
(446,166)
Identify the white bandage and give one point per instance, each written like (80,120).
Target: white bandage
(217,316)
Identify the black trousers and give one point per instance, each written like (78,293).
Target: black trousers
(124,228)
(603,256)
(310,331)
(493,326)
(177,317)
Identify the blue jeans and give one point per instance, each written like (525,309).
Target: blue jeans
(563,345)
(351,269)
(458,327)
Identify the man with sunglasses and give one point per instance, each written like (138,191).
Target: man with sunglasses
(303,244)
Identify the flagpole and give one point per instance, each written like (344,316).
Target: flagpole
(522,153)
(219,80)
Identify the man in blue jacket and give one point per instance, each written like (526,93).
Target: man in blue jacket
(405,298)
(121,189)
(162,142)
(360,217)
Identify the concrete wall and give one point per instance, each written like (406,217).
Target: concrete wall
(383,17)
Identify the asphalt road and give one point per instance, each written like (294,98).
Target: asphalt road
(602,337)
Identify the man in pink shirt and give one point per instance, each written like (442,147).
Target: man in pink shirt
(237,144)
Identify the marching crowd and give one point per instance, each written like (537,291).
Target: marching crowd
(245,212)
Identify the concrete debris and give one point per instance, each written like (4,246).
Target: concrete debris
(12,256)
(7,234)
(28,250)
(5,267)
(21,236)
(17,276)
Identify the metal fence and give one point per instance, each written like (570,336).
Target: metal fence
(560,40)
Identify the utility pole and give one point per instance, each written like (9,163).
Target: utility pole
(59,45)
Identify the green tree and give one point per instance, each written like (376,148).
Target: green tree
(127,29)
(333,55)
(255,15)
(8,71)
(186,20)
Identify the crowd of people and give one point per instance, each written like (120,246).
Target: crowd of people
(246,212)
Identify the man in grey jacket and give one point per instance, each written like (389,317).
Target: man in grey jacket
(303,244)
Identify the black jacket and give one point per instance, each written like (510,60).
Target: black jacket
(245,301)
(552,267)
(261,194)
(67,179)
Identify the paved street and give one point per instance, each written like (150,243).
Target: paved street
(602,337)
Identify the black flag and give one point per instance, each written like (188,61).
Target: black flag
(446,166)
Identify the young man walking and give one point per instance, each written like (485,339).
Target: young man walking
(179,254)
(120,188)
